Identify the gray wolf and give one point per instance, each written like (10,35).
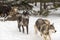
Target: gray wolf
(44,27)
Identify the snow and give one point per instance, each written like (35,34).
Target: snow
(9,29)
(53,11)
(37,8)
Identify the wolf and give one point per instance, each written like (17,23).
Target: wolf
(22,19)
(44,27)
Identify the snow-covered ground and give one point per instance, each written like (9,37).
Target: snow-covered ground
(9,29)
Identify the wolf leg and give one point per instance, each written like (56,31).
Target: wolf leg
(35,29)
(19,27)
(49,38)
(44,37)
(27,29)
(23,28)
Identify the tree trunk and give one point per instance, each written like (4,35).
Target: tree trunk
(54,3)
(40,8)
(35,2)
(44,5)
